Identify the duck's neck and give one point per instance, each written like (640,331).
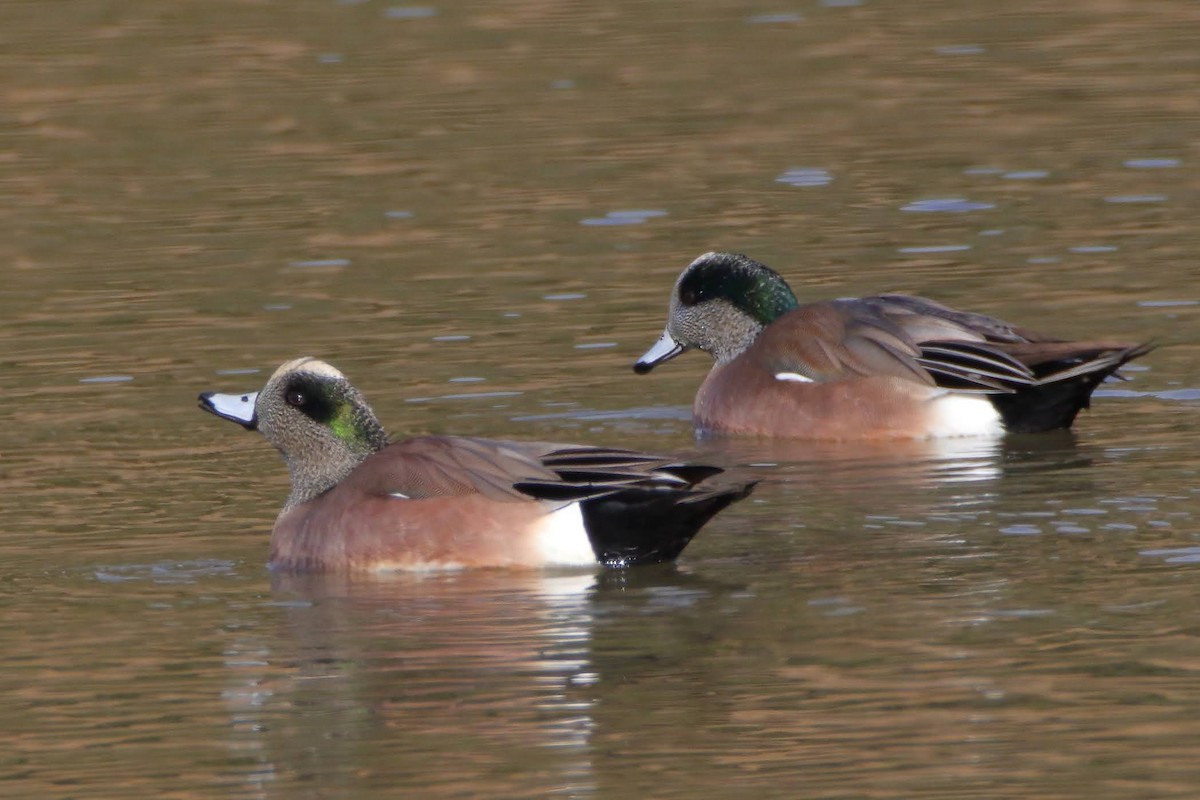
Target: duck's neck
(331,460)
(766,298)
(732,332)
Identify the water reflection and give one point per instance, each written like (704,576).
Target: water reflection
(907,464)
(471,678)
(850,465)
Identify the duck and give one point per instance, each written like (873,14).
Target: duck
(362,503)
(885,367)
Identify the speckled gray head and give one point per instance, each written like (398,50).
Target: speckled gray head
(310,413)
(720,303)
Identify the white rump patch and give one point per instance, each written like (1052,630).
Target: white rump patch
(563,540)
(795,377)
(963,415)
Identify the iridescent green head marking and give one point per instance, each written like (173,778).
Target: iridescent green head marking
(319,422)
(348,429)
(754,288)
(334,404)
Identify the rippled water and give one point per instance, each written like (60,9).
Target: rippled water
(477,212)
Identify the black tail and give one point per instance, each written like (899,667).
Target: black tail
(650,525)
(1064,387)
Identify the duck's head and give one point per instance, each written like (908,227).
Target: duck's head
(720,304)
(314,416)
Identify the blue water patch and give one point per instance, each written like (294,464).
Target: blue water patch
(947,205)
(637,213)
(1176,394)
(775,19)
(1153,163)
(982,171)
(959,50)
(463,396)
(598,221)
(1135,198)
(410,12)
(1166,304)
(277,307)
(1174,555)
(595,345)
(1021,530)
(1026,175)
(1043,260)
(805,176)
(625,217)
(1094,248)
(479,395)
(398,214)
(289,604)
(681,413)
(321,262)
(452,337)
(330,58)
(565,296)
(935,248)
(1020,613)
(564,83)
(165,572)
(107,379)
(240,371)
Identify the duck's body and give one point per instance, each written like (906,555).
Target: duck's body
(881,367)
(446,502)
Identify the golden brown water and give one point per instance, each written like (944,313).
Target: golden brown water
(430,197)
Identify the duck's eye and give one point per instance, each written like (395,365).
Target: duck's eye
(295,398)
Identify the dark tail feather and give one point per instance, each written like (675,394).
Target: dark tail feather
(640,525)
(1064,387)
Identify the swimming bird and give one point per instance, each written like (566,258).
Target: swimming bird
(890,366)
(360,503)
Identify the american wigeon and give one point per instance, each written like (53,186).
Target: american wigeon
(433,502)
(885,367)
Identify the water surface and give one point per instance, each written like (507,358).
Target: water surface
(477,212)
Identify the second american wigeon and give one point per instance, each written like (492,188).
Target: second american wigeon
(359,503)
(884,367)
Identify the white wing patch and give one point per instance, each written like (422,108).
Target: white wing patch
(563,540)
(399,495)
(794,377)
